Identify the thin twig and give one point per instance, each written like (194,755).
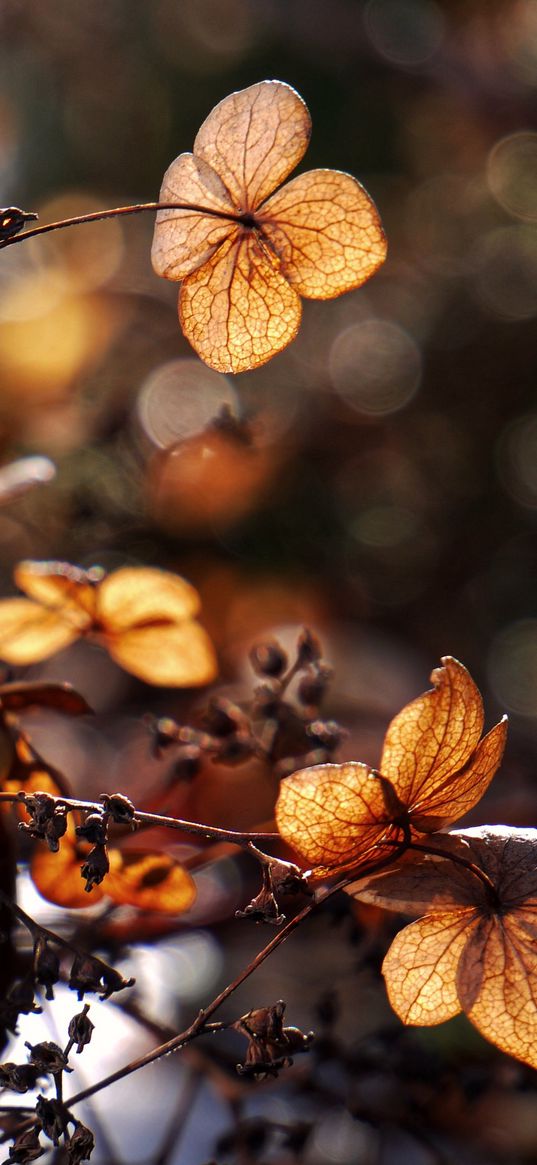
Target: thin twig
(117,212)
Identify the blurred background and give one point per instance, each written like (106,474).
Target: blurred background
(387,493)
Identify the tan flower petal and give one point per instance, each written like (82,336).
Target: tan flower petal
(463,789)
(332,814)
(254,138)
(184,239)
(150,881)
(434,736)
(170,655)
(58,584)
(238,310)
(326,231)
(498,982)
(136,595)
(421,966)
(30,632)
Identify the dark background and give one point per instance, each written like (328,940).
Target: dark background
(390,497)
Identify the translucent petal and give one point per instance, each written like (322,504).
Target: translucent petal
(135,595)
(150,881)
(238,310)
(332,814)
(434,736)
(30,632)
(170,655)
(184,239)
(326,231)
(254,138)
(421,966)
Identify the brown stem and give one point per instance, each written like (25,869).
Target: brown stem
(210,832)
(117,212)
(474,869)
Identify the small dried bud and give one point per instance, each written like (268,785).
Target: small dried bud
(308,648)
(46,965)
(267,697)
(41,807)
(55,828)
(12,220)
(326,734)
(19,1077)
(233,750)
(90,974)
(186,765)
(313,684)
(268,658)
(81,1144)
(95,867)
(286,878)
(119,808)
(224,718)
(93,829)
(54,1118)
(80,1030)
(47,1057)
(263,908)
(27,1147)
(271,1045)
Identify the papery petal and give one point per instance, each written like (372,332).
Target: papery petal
(498,983)
(421,966)
(184,239)
(30,632)
(149,881)
(460,792)
(332,814)
(58,584)
(175,655)
(136,595)
(254,138)
(326,231)
(434,736)
(237,310)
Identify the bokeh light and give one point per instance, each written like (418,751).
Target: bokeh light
(512,174)
(180,398)
(513,667)
(406,32)
(375,366)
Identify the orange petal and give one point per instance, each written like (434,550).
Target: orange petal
(460,792)
(421,966)
(170,655)
(58,584)
(150,881)
(30,632)
(326,231)
(434,736)
(417,883)
(497,976)
(136,595)
(57,876)
(332,814)
(184,239)
(254,138)
(237,310)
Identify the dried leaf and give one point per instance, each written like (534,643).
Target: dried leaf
(432,771)
(143,616)
(244,257)
(474,950)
